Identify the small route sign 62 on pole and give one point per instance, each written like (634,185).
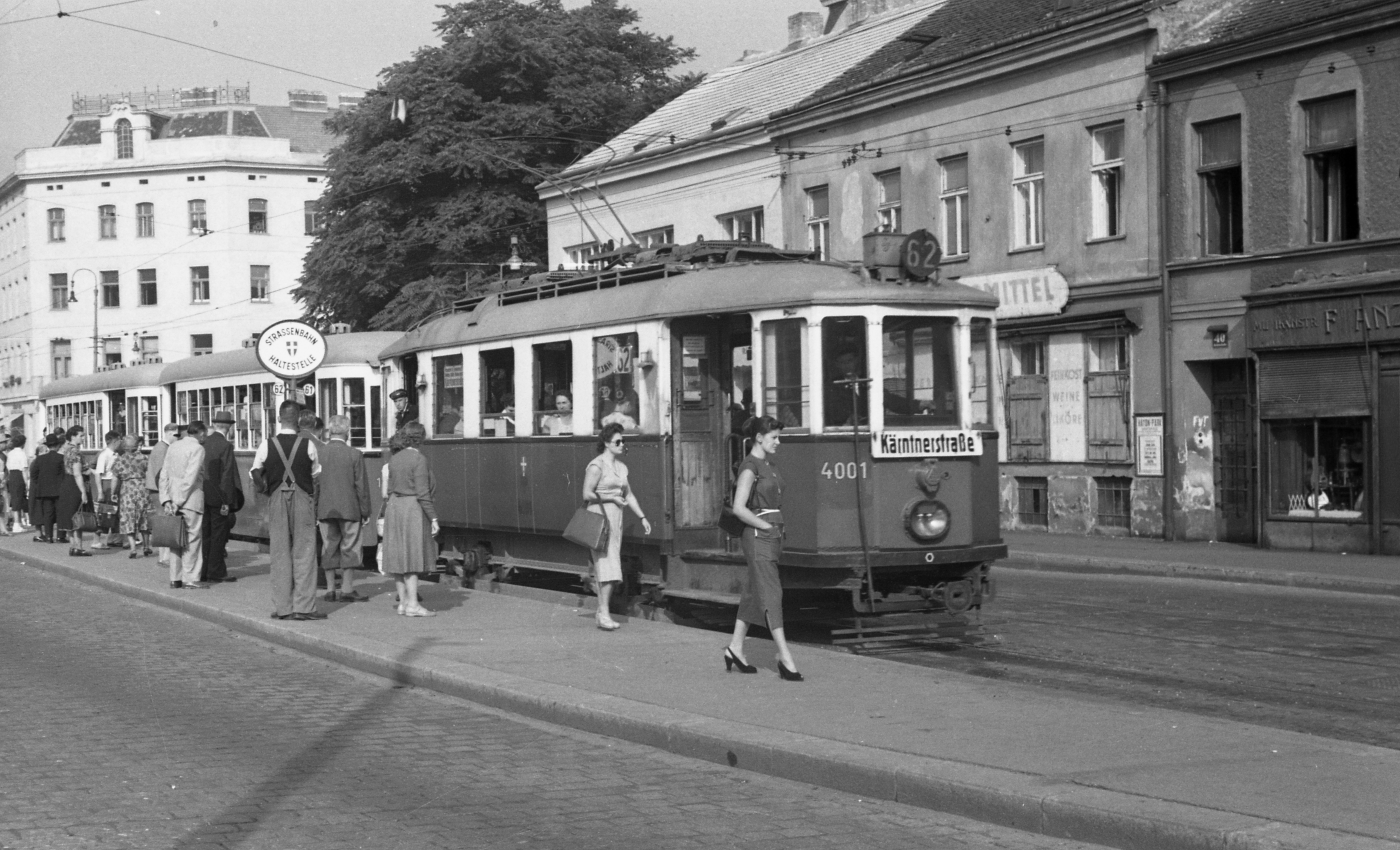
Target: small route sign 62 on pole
(920,254)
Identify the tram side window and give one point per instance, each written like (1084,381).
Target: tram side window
(497,393)
(784,387)
(920,378)
(614,381)
(554,407)
(147,414)
(843,361)
(447,396)
(352,394)
(980,394)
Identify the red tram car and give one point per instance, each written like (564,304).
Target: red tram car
(891,498)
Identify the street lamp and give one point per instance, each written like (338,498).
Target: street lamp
(73,299)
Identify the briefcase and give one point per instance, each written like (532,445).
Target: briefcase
(168,531)
(588,530)
(107,517)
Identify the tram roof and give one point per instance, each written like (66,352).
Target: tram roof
(341,350)
(128,377)
(655,292)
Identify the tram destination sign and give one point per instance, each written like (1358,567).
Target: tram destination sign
(291,349)
(891,442)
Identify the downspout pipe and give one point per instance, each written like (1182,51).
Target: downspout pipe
(1163,256)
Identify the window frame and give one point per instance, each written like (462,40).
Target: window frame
(199,216)
(126,145)
(58,224)
(110,284)
(956,203)
(733,225)
(147,287)
(310,218)
(818,221)
(889,215)
(197,350)
(59,291)
(1303,506)
(548,421)
(1027,197)
(778,400)
(111,351)
(145,220)
(496,404)
(1333,176)
(107,221)
(253,280)
(1106,221)
(944,387)
(60,358)
(655,236)
(257,216)
(1210,178)
(199,285)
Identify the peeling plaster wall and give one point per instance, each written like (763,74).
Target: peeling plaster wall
(1072,502)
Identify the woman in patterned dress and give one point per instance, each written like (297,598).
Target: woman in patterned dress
(130,471)
(606,492)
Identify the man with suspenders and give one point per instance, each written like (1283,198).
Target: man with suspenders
(285,469)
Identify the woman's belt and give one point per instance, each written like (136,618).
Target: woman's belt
(773,516)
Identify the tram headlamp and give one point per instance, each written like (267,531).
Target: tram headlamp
(927,520)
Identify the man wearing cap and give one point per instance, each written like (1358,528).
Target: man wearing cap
(223,497)
(404,411)
(169,434)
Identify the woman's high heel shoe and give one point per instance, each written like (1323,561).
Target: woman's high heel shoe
(731,661)
(789,675)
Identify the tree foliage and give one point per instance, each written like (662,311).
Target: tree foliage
(413,212)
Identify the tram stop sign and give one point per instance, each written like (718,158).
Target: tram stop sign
(290,349)
(920,254)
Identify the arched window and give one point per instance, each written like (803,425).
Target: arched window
(125,149)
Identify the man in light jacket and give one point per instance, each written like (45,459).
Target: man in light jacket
(169,434)
(182,492)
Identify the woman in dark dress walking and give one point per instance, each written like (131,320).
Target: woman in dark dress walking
(758,502)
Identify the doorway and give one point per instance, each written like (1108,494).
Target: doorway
(1232,412)
(711,396)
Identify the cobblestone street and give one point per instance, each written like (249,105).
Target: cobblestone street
(126,726)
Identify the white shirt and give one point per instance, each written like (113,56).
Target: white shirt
(104,465)
(18,458)
(260,458)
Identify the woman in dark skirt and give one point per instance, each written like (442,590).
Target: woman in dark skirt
(758,502)
(74,493)
(410,520)
(17,482)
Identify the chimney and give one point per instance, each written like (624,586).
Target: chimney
(804,27)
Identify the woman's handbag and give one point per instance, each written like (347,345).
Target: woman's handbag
(108,518)
(588,530)
(168,531)
(730,523)
(85,522)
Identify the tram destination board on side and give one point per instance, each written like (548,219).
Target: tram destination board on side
(910,443)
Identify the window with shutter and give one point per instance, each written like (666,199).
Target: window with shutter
(1027,410)
(1106,391)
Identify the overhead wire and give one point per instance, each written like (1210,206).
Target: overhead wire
(61,13)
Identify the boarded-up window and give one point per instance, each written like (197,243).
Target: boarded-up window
(1107,392)
(1027,402)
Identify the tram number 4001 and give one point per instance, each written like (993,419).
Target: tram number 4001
(842,471)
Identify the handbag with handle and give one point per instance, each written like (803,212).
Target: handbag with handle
(85,522)
(587,529)
(168,531)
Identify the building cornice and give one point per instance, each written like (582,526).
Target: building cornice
(109,170)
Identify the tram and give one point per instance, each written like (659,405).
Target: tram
(140,399)
(889,447)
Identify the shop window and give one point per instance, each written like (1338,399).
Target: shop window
(1115,502)
(1107,391)
(554,391)
(614,381)
(957,240)
(1221,173)
(1317,468)
(1027,402)
(107,222)
(145,220)
(447,396)
(1028,194)
(1334,213)
(111,289)
(146,282)
(1106,181)
(784,372)
(888,203)
(920,381)
(743,226)
(844,367)
(980,394)
(1033,501)
(257,215)
(819,222)
(497,393)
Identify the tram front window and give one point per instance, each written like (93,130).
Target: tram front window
(920,381)
(554,405)
(784,390)
(843,361)
(981,392)
(447,395)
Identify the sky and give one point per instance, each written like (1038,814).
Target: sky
(331,46)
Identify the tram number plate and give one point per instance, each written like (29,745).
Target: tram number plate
(843,471)
(920,254)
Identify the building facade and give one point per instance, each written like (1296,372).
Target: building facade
(155,228)
(1282,275)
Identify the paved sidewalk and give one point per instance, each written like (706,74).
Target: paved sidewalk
(1218,561)
(1040,761)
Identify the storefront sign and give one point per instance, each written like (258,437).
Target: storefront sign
(907,443)
(1035,292)
(290,349)
(1329,321)
(1065,383)
(1150,435)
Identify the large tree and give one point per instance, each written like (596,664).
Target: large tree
(415,210)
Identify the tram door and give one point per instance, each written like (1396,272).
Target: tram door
(704,401)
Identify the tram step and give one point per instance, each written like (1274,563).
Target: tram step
(710,596)
(719,556)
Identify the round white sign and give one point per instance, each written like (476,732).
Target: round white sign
(290,349)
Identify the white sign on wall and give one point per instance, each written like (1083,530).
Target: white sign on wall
(1066,387)
(1033,292)
(1150,435)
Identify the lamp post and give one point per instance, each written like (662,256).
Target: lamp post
(73,299)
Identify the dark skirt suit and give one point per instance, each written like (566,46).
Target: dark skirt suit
(762,602)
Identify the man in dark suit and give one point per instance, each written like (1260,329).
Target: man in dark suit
(45,478)
(342,508)
(223,497)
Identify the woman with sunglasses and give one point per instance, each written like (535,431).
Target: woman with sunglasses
(758,502)
(606,492)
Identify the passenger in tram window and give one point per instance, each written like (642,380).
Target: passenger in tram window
(561,421)
(606,491)
(624,412)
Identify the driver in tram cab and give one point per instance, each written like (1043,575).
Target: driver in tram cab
(839,410)
(404,411)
